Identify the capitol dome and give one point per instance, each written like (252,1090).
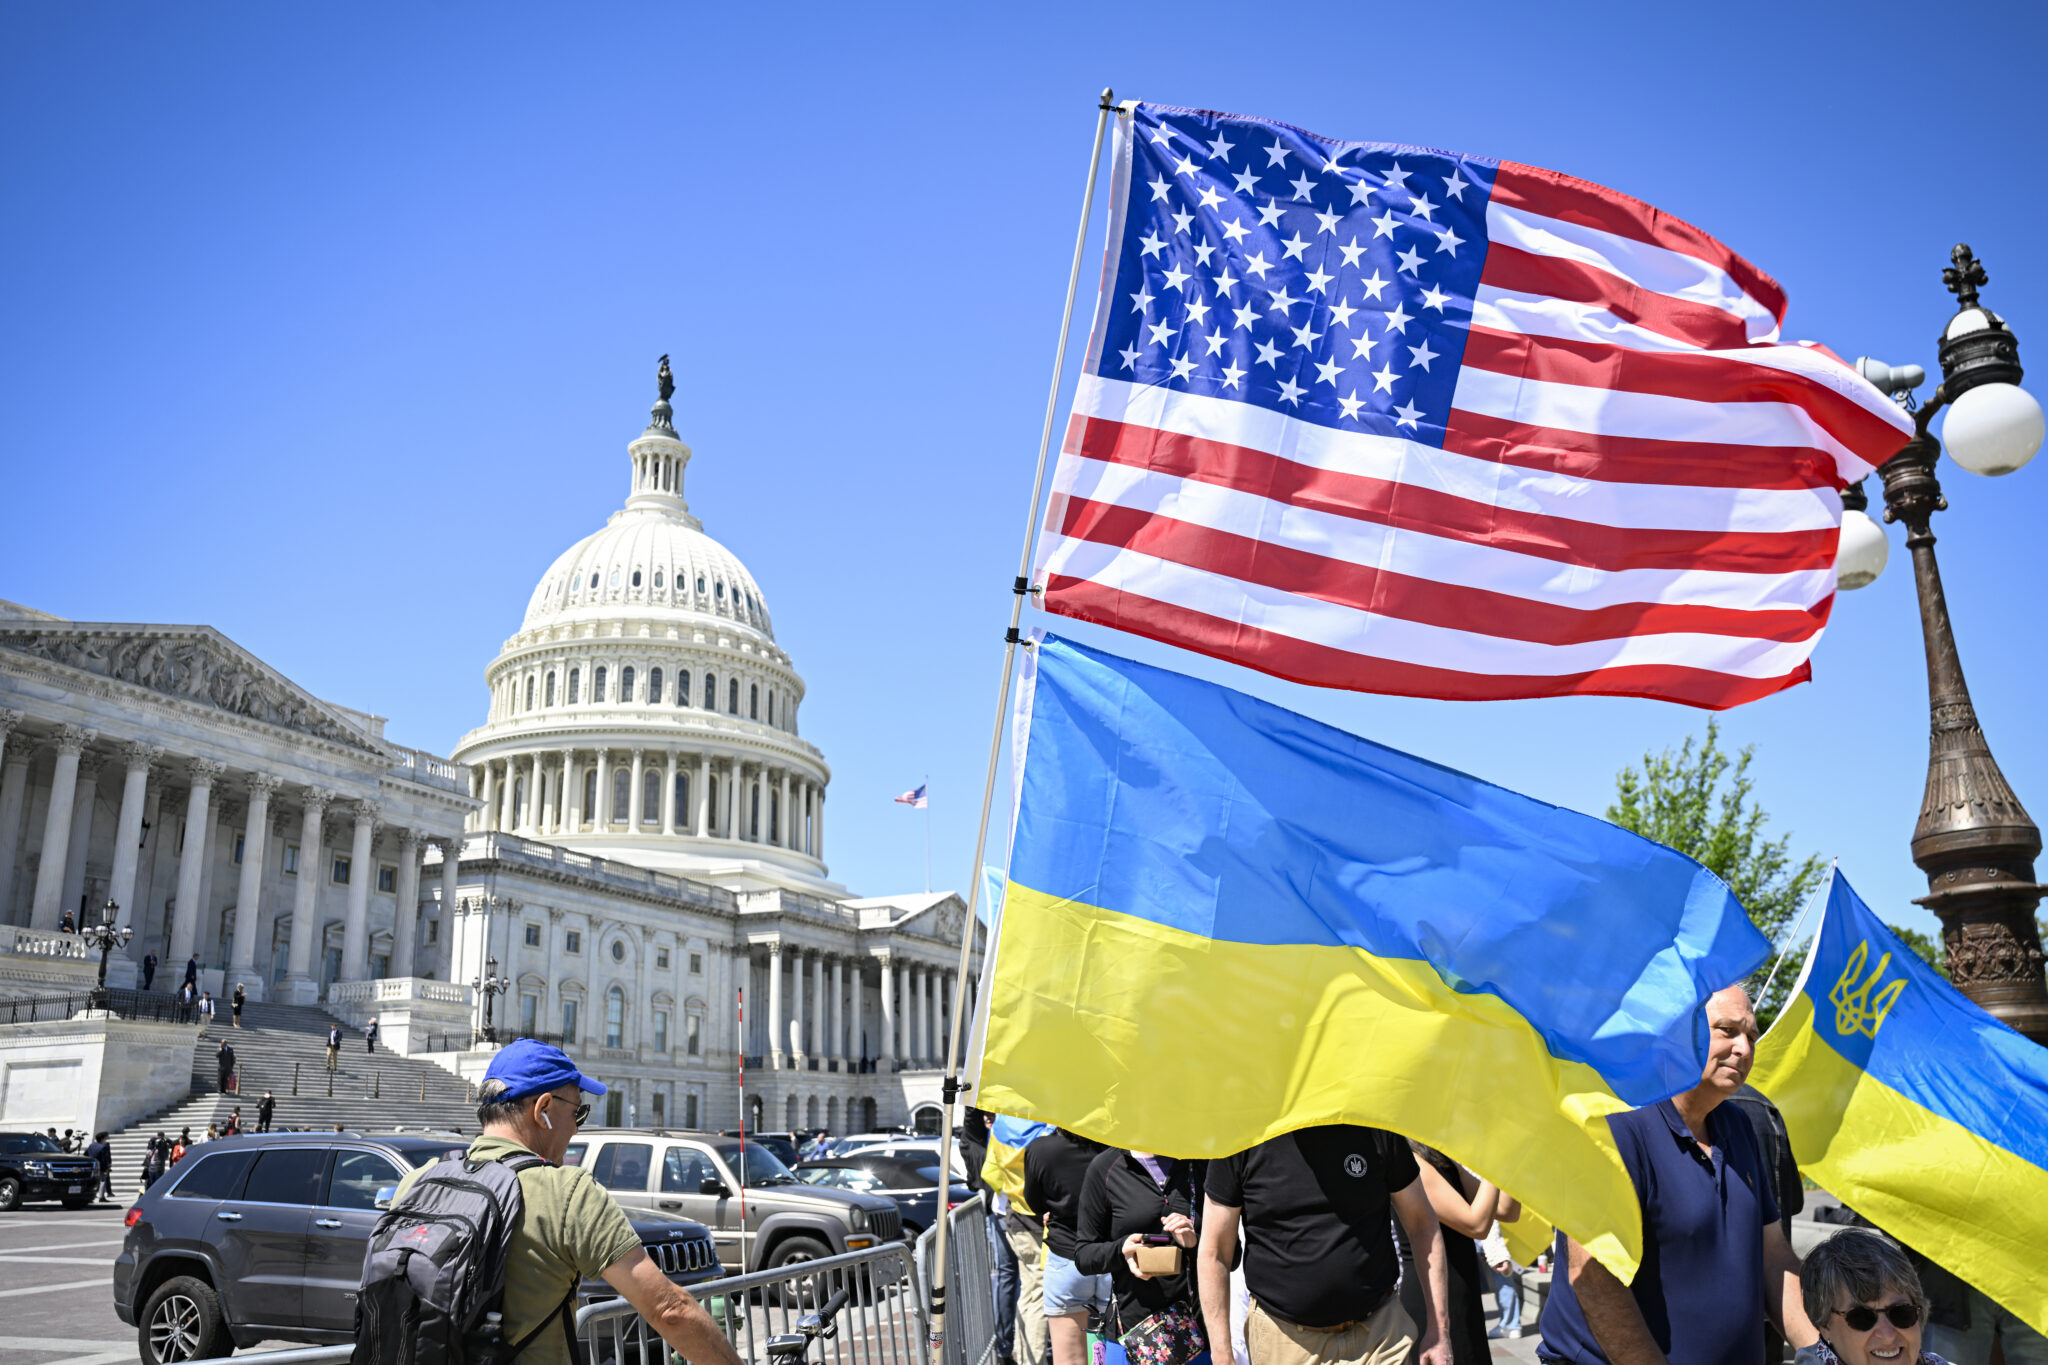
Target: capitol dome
(644,711)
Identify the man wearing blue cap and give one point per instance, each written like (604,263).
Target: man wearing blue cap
(569,1228)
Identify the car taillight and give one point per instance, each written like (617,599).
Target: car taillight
(134,1217)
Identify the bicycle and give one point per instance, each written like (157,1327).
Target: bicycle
(790,1348)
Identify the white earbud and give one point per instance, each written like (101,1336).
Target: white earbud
(549,1123)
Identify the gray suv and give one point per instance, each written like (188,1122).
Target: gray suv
(261,1238)
(697,1176)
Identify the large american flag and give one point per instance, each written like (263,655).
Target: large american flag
(1400,420)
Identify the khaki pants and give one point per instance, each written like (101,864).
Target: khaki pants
(1028,1246)
(1382,1339)
(333,1057)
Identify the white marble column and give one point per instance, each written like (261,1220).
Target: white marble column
(451,881)
(934,1050)
(299,987)
(487,817)
(601,809)
(835,1047)
(668,794)
(572,798)
(192,863)
(887,1049)
(83,808)
(249,891)
(362,870)
(405,916)
(775,1036)
(782,823)
(47,909)
(815,965)
(532,823)
(127,829)
(550,796)
(797,988)
(818,825)
(14,754)
(732,801)
(508,819)
(636,794)
(703,828)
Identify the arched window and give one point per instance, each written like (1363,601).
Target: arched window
(622,792)
(615,578)
(710,691)
(683,688)
(518,799)
(754,702)
(657,578)
(548,693)
(718,589)
(650,797)
(626,683)
(711,811)
(593,582)
(575,685)
(754,815)
(732,697)
(636,578)
(590,795)
(774,811)
(682,798)
(597,684)
(700,585)
(529,694)
(615,1018)
(654,687)
(771,706)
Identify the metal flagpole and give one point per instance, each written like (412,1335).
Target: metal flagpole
(742,1055)
(927,834)
(1020,588)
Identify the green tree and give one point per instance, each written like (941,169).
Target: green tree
(1699,801)
(1931,949)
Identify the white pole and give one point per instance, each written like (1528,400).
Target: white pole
(951,1091)
(927,834)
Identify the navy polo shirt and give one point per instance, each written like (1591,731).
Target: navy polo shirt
(1701,1286)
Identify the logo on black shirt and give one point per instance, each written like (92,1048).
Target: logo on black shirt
(1354,1166)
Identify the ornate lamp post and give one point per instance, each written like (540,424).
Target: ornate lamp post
(105,937)
(491,984)
(1974,840)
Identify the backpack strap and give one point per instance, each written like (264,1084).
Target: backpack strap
(568,1328)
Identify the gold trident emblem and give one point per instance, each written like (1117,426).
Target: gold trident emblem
(1856,1011)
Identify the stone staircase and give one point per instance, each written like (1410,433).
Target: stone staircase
(275,1045)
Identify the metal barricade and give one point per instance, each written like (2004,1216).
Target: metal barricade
(970,1323)
(883,1322)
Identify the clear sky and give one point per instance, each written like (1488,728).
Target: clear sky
(327,326)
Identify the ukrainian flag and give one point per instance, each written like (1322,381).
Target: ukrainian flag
(1225,921)
(1915,1107)
(1002,1170)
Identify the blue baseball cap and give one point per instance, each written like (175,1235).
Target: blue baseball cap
(528,1066)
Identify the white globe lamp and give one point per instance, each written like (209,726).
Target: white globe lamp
(1863,550)
(1993,429)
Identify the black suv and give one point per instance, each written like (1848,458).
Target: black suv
(32,1166)
(261,1237)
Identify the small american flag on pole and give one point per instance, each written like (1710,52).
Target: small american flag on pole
(1406,421)
(914,797)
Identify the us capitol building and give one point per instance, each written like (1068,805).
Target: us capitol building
(635,834)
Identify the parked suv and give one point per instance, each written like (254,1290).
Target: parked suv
(697,1175)
(262,1237)
(33,1166)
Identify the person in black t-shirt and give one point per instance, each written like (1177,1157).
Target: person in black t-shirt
(1127,1197)
(1055,1167)
(1319,1254)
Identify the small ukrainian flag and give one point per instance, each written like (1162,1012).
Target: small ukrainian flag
(1914,1107)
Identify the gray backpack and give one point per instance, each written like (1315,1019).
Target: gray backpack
(433,1284)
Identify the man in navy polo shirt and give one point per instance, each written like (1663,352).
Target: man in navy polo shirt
(1715,1260)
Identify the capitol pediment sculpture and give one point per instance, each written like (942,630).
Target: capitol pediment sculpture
(200,667)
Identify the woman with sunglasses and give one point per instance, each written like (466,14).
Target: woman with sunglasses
(1865,1298)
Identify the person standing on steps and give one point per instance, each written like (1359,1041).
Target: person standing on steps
(192,973)
(570,1229)
(148,969)
(102,1154)
(233,1127)
(224,1062)
(370,1037)
(236,1001)
(265,1107)
(205,1012)
(334,1047)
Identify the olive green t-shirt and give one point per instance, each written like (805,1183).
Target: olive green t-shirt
(569,1230)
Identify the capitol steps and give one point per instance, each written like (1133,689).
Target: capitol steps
(371,1091)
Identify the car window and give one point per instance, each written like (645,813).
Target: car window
(862,1180)
(418,1157)
(927,1175)
(357,1178)
(828,1176)
(291,1176)
(623,1165)
(574,1156)
(763,1168)
(30,1144)
(215,1177)
(682,1171)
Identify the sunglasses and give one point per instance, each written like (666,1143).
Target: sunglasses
(581,1112)
(1862,1319)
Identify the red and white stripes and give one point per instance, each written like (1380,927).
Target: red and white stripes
(1636,493)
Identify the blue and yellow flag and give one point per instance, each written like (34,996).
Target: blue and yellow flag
(1002,1170)
(1225,921)
(1914,1107)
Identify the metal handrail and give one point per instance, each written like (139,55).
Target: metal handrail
(121,1002)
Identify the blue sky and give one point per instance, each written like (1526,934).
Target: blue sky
(327,326)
